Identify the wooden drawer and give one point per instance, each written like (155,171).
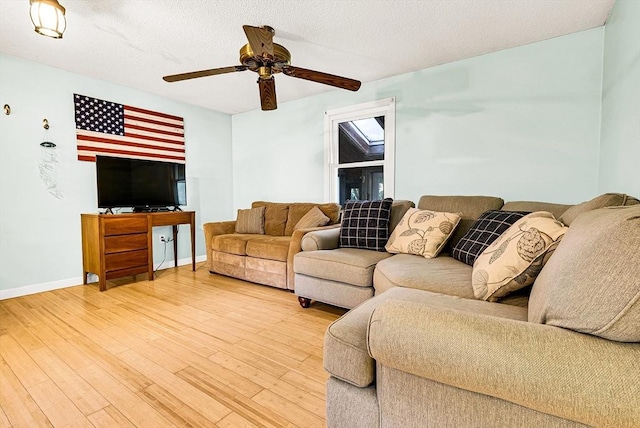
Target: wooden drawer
(119,243)
(128,259)
(126,272)
(124,225)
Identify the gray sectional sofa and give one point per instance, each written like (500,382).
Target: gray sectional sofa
(424,352)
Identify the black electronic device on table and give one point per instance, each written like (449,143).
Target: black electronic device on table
(144,185)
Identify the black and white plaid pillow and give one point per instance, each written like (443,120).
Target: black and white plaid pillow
(365,224)
(489,226)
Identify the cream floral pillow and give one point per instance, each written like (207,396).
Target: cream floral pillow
(514,260)
(422,232)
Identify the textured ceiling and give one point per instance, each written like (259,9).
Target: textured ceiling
(135,42)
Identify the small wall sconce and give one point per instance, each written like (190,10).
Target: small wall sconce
(7,109)
(47,144)
(48,18)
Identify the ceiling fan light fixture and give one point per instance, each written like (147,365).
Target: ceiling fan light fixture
(48,18)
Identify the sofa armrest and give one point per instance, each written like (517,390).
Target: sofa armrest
(212,229)
(296,246)
(326,239)
(218,228)
(556,371)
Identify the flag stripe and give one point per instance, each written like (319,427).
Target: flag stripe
(154,113)
(135,114)
(154,130)
(98,136)
(130,154)
(108,128)
(163,124)
(129,143)
(132,149)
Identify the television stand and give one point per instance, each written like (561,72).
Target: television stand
(117,245)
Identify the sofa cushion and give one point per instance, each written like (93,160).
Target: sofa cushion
(422,232)
(471,208)
(313,218)
(233,243)
(250,221)
(592,283)
(275,217)
(514,260)
(442,274)
(533,206)
(484,231)
(345,345)
(398,210)
(602,201)
(348,265)
(298,210)
(269,247)
(365,224)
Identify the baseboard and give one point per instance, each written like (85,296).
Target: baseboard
(72,282)
(39,288)
(181,262)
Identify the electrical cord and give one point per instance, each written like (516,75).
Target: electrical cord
(164,256)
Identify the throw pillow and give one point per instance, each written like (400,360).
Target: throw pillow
(514,260)
(591,284)
(422,232)
(314,218)
(365,224)
(250,221)
(486,229)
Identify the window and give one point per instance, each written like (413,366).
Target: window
(360,152)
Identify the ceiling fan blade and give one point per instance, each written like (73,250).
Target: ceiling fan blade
(326,78)
(260,40)
(268,93)
(203,73)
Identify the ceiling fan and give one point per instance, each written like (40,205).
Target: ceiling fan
(266,58)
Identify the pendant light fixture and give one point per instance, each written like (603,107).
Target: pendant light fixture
(48,18)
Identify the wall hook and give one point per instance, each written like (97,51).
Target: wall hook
(45,124)
(7,109)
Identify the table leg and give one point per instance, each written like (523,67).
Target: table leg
(175,245)
(193,241)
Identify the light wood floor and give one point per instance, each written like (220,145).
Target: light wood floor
(188,349)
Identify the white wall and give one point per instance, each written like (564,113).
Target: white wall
(620,138)
(522,123)
(40,240)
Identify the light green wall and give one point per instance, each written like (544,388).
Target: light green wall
(522,123)
(620,138)
(40,241)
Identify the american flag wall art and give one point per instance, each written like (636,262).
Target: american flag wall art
(112,129)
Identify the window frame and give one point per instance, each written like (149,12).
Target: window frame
(385,107)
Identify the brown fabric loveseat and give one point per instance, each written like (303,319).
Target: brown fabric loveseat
(263,258)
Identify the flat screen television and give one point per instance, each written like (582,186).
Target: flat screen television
(144,185)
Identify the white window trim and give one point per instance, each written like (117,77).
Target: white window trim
(385,107)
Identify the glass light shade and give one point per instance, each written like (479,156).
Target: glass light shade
(48,18)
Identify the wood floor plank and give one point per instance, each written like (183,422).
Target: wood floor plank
(134,408)
(17,403)
(55,404)
(188,349)
(231,379)
(290,411)
(207,405)
(20,362)
(81,394)
(173,409)
(109,417)
(247,408)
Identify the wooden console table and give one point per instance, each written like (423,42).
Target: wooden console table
(117,245)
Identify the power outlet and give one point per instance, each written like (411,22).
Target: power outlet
(163,239)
